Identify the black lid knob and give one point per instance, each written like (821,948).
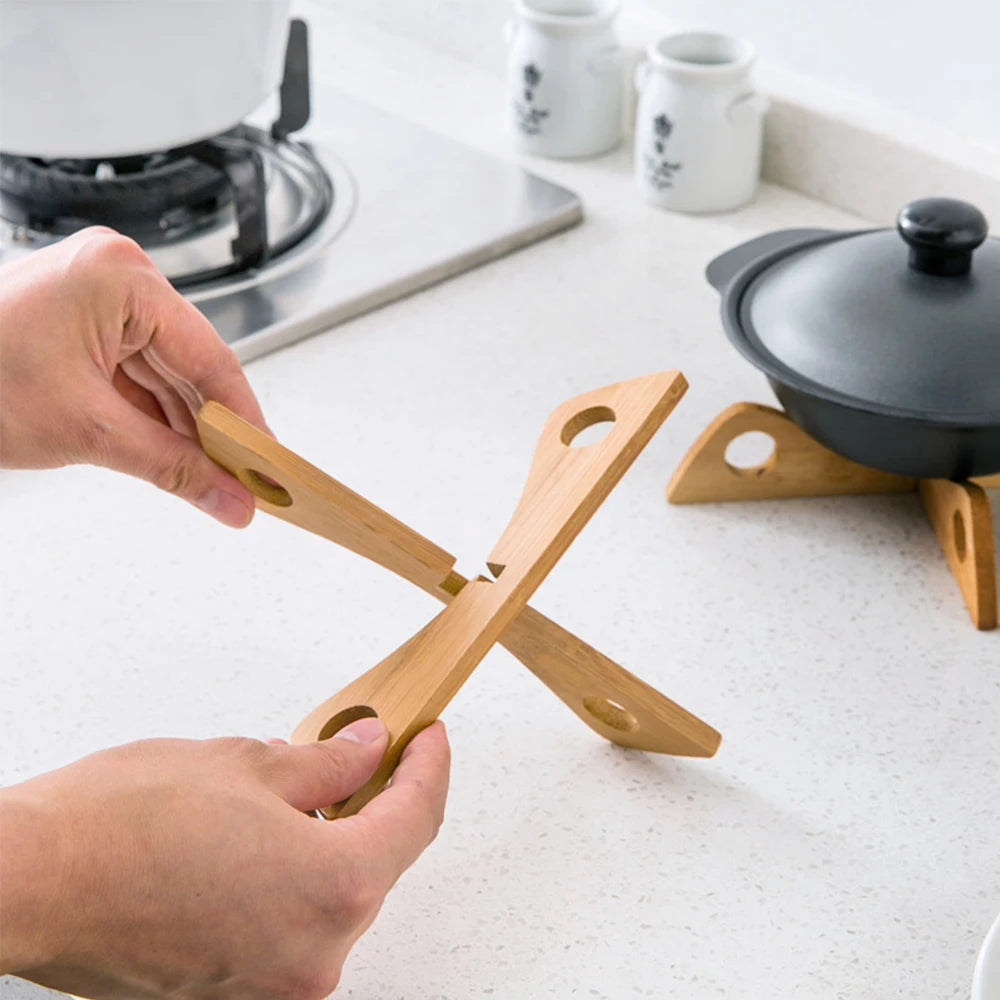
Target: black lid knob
(941,233)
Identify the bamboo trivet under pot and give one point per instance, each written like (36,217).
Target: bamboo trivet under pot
(799,466)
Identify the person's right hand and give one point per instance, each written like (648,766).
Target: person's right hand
(190,870)
(104,362)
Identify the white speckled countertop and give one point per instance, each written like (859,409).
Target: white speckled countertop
(842,845)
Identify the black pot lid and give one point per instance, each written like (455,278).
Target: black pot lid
(904,322)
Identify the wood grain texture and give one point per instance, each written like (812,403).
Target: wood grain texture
(961,517)
(798,467)
(565,486)
(305,496)
(577,673)
(633,410)
(411,688)
(609,699)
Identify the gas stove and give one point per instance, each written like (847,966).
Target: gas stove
(277,233)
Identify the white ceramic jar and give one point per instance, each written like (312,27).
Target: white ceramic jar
(699,124)
(565,77)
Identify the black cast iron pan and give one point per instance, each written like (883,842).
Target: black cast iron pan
(884,345)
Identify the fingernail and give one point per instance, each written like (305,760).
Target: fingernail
(225,507)
(366,730)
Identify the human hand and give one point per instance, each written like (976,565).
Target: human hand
(190,869)
(104,362)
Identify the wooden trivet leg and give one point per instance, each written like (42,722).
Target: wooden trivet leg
(799,466)
(960,514)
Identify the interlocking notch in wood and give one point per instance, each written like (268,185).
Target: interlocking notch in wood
(565,485)
(288,487)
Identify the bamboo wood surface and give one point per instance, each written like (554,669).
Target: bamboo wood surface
(305,496)
(799,466)
(608,698)
(565,486)
(960,515)
(636,409)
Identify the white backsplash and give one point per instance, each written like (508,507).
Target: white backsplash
(929,62)
(859,120)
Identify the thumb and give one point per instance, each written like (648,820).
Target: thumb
(315,775)
(136,444)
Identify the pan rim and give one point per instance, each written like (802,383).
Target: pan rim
(732,296)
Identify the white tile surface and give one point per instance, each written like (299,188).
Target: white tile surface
(843,844)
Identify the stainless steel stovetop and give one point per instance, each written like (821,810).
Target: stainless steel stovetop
(411,208)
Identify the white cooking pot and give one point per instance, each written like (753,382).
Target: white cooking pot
(105,78)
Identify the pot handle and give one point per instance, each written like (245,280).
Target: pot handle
(726,266)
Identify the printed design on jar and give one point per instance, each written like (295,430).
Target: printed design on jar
(530,117)
(659,170)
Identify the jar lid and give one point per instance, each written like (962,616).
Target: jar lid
(905,321)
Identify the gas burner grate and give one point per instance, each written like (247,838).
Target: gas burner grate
(227,205)
(218,208)
(145,197)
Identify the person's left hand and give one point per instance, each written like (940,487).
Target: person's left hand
(102,361)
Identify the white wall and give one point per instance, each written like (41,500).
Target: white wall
(937,60)
(933,59)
